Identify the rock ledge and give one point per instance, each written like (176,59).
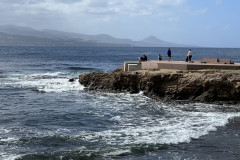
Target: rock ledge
(201,86)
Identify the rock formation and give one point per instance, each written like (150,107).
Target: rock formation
(201,86)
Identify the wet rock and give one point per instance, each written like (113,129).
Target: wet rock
(201,86)
(71,80)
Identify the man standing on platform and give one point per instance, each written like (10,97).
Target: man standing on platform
(189,56)
(169,54)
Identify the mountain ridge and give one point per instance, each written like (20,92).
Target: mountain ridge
(17,35)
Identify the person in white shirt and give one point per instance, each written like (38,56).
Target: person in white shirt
(189,56)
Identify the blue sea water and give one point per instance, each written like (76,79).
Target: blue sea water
(43,116)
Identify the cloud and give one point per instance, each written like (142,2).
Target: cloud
(87,14)
(198,12)
(226,27)
(219,2)
(130,7)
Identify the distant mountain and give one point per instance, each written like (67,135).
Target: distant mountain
(16,30)
(20,40)
(152,39)
(11,35)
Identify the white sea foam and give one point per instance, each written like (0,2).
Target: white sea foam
(140,120)
(176,126)
(117,152)
(10,157)
(46,82)
(4,131)
(8,139)
(116,118)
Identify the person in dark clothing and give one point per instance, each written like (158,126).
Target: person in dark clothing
(169,53)
(159,57)
(143,58)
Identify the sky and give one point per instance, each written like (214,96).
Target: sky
(208,23)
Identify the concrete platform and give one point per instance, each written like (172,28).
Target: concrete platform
(182,65)
(131,66)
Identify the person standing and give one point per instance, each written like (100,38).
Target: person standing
(159,57)
(189,56)
(169,53)
(144,57)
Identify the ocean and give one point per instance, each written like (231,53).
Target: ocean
(43,116)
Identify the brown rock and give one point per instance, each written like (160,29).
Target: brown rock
(203,86)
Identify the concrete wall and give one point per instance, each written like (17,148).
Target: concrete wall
(194,65)
(132,66)
(149,64)
(170,65)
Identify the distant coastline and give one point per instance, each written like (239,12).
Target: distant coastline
(12,35)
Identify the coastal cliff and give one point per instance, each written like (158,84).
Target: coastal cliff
(201,86)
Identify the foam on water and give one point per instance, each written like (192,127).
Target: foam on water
(117,152)
(167,131)
(46,82)
(11,157)
(9,139)
(4,131)
(135,120)
(178,124)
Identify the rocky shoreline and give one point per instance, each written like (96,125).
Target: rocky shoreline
(211,86)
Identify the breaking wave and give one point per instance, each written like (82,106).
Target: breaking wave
(45,82)
(138,125)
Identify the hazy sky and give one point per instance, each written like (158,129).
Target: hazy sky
(199,22)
